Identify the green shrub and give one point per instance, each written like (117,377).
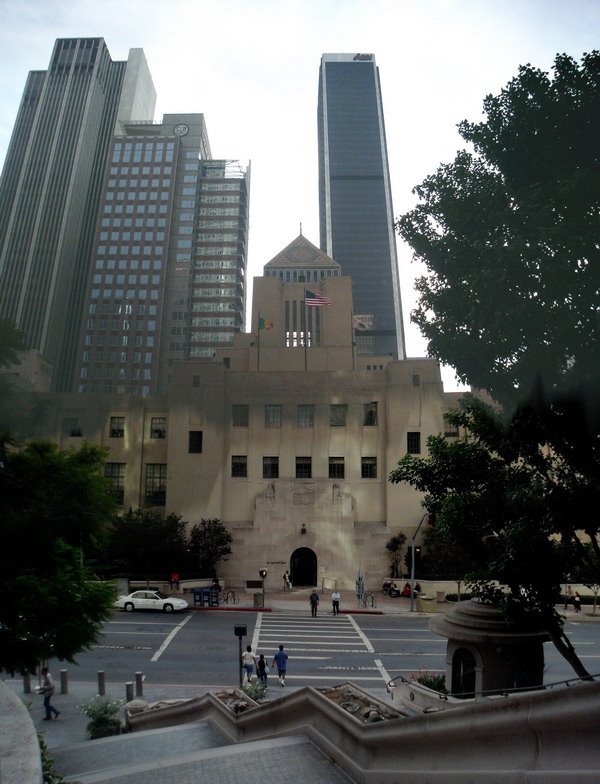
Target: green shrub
(102,712)
(433,681)
(254,690)
(48,774)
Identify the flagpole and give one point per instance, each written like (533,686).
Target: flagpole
(352,336)
(305,331)
(258,343)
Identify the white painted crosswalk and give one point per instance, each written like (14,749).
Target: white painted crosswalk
(318,648)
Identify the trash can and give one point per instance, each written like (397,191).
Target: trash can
(426,604)
(440,597)
(259,600)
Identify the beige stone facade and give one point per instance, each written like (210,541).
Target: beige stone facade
(289,445)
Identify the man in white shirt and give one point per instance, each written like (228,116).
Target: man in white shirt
(335,601)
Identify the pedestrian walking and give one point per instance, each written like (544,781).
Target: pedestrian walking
(280,659)
(314,602)
(248,662)
(568,596)
(48,692)
(287,583)
(335,601)
(577,602)
(262,670)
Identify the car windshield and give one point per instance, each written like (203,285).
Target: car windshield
(161,595)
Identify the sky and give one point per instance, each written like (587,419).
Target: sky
(251,67)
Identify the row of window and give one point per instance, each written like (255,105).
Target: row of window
(305,416)
(270,470)
(155,487)
(158,426)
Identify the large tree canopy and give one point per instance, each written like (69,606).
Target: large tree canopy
(513,495)
(509,235)
(143,544)
(51,504)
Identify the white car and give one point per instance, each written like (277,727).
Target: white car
(150,600)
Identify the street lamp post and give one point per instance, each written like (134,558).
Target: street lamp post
(240,631)
(412,562)
(263,573)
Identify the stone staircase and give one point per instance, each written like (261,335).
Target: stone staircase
(194,754)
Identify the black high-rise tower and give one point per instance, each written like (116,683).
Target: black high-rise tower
(355,200)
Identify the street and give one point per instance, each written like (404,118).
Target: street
(200,649)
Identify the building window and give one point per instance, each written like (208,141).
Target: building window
(239,415)
(195,442)
(71,428)
(116,473)
(239,465)
(156,484)
(368,467)
(117,427)
(306,416)
(370,414)
(337,415)
(158,427)
(413,443)
(303,467)
(336,467)
(271,467)
(273,416)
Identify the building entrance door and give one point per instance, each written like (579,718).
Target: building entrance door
(303,567)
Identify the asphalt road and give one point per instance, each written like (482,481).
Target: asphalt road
(200,649)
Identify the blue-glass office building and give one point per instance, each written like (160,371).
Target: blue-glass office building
(355,200)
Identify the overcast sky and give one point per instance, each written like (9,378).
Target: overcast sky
(251,66)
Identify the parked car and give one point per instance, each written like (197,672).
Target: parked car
(150,600)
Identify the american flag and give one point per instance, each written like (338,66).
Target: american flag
(315,300)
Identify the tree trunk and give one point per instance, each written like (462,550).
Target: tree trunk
(563,645)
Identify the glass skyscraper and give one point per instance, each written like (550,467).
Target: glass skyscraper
(355,200)
(50,189)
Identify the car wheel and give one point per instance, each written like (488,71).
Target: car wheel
(129,607)
(168,608)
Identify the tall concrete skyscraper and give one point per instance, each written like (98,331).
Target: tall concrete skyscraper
(50,189)
(355,199)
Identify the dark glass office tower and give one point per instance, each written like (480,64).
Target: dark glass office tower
(50,189)
(355,200)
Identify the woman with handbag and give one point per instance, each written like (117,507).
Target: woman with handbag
(262,670)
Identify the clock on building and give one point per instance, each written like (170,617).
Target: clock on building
(180,130)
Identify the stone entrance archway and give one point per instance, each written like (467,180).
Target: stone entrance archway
(303,567)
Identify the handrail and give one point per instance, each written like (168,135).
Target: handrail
(504,692)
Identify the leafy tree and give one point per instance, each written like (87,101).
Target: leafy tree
(445,558)
(394,552)
(52,503)
(145,544)
(20,410)
(512,496)
(11,342)
(509,236)
(209,542)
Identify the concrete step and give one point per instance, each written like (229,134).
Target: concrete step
(147,747)
(294,760)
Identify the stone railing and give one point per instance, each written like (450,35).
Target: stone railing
(527,738)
